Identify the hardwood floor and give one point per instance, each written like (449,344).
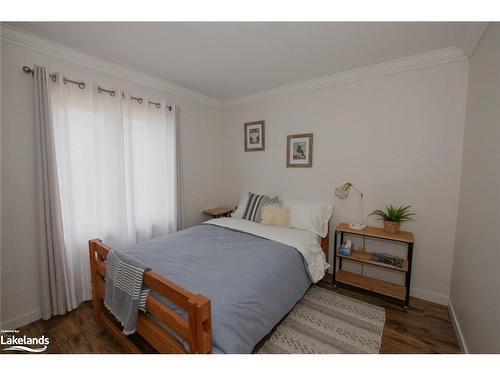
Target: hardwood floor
(425,328)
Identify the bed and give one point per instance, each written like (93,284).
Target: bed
(218,287)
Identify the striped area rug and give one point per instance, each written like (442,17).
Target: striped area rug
(326,322)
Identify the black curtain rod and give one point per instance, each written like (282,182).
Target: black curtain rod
(100,90)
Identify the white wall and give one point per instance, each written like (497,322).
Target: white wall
(475,287)
(397,137)
(201,158)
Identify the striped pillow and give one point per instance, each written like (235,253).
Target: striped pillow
(256,202)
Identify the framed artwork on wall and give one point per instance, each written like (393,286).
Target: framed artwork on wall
(255,136)
(299,151)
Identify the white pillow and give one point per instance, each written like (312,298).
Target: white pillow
(312,217)
(242,204)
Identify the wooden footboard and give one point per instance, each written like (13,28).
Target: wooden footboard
(196,329)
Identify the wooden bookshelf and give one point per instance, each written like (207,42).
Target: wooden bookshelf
(365,257)
(371,284)
(401,292)
(375,232)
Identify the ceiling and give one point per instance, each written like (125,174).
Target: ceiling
(232,60)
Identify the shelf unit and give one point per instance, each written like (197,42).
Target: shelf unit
(371,284)
(401,292)
(365,258)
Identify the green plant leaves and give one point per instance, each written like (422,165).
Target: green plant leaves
(395,214)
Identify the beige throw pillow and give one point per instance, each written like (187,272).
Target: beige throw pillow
(275,215)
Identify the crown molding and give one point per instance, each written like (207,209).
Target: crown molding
(390,67)
(473,36)
(36,43)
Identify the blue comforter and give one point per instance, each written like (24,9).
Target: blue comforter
(252,282)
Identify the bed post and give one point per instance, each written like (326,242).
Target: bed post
(200,324)
(93,272)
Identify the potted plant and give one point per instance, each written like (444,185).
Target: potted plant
(393,217)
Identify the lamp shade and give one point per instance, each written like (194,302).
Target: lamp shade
(342,191)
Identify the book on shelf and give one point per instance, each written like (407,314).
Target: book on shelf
(387,259)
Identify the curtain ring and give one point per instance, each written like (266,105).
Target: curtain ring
(28,70)
(81,85)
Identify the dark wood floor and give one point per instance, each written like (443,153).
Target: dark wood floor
(424,328)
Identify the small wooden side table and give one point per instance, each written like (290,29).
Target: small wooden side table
(218,212)
(401,292)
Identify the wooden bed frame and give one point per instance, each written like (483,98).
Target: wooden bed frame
(196,329)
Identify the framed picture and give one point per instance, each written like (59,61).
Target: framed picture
(255,136)
(299,151)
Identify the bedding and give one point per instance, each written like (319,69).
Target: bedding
(312,217)
(306,243)
(252,273)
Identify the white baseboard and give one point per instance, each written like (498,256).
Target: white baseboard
(441,299)
(458,330)
(22,320)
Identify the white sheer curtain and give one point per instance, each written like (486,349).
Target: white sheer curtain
(150,170)
(117,166)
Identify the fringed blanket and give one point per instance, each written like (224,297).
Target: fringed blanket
(124,292)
